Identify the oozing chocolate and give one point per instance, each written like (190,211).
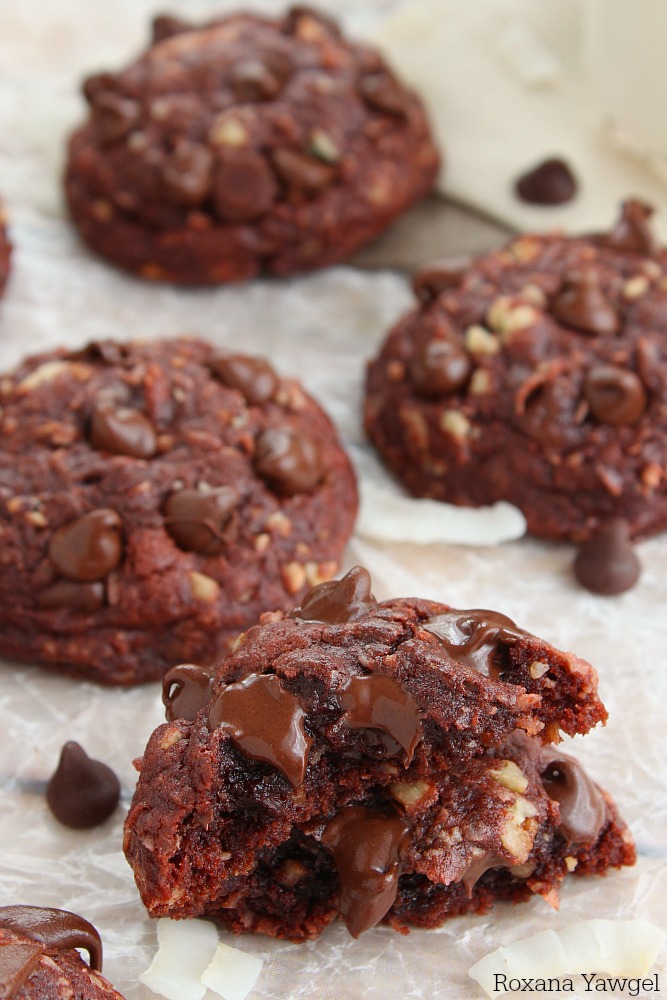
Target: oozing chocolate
(367,849)
(381,702)
(89,547)
(472,637)
(57,930)
(583,809)
(185,689)
(82,792)
(338,601)
(265,722)
(18,961)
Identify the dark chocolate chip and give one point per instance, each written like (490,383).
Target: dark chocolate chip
(265,722)
(89,547)
(439,367)
(113,116)
(57,930)
(254,378)
(185,689)
(616,396)
(437,276)
(632,233)
(82,792)
(473,637)
(305,174)
(289,461)
(254,80)
(378,701)
(85,598)
(382,92)
(606,563)
(196,519)
(122,431)
(583,305)
(97,84)
(549,183)
(18,961)
(164,26)
(338,601)
(187,174)
(367,849)
(583,809)
(296,14)
(243,186)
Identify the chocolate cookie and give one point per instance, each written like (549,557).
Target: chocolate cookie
(154,499)
(5,250)
(39,958)
(379,762)
(536,374)
(248,145)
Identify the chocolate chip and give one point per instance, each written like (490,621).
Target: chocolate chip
(89,547)
(437,276)
(266,722)
(243,186)
(255,80)
(82,792)
(367,849)
(383,92)
(302,173)
(300,12)
(196,519)
(439,367)
(254,378)
(583,809)
(549,183)
(632,233)
(474,637)
(85,598)
(616,396)
(122,431)
(606,563)
(113,116)
(164,26)
(582,305)
(57,930)
(377,701)
(185,689)
(98,83)
(289,462)
(187,174)
(338,601)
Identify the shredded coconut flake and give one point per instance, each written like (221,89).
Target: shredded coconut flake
(186,948)
(232,973)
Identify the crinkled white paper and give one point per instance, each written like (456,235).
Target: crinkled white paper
(323,328)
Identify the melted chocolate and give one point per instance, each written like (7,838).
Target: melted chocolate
(185,689)
(367,849)
(615,395)
(18,961)
(122,431)
(381,702)
(632,233)
(289,462)
(254,378)
(472,637)
(338,601)
(196,519)
(88,548)
(82,792)
(583,305)
(265,722)
(478,867)
(57,930)
(583,809)
(439,368)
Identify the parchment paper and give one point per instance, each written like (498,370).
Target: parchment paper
(323,328)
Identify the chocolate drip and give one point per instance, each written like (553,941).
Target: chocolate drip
(583,809)
(265,722)
(185,689)
(338,601)
(381,702)
(472,637)
(367,849)
(57,930)
(18,961)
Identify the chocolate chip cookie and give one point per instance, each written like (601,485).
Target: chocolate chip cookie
(247,145)
(5,250)
(536,374)
(39,958)
(154,499)
(390,762)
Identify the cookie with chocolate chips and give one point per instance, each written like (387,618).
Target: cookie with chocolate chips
(245,146)
(5,250)
(387,763)
(155,498)
(40,956)
(536,374)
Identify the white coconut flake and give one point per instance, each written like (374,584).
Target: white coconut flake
(388,517)
(615,947)
(186,948)
(232,973)
(526,55)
